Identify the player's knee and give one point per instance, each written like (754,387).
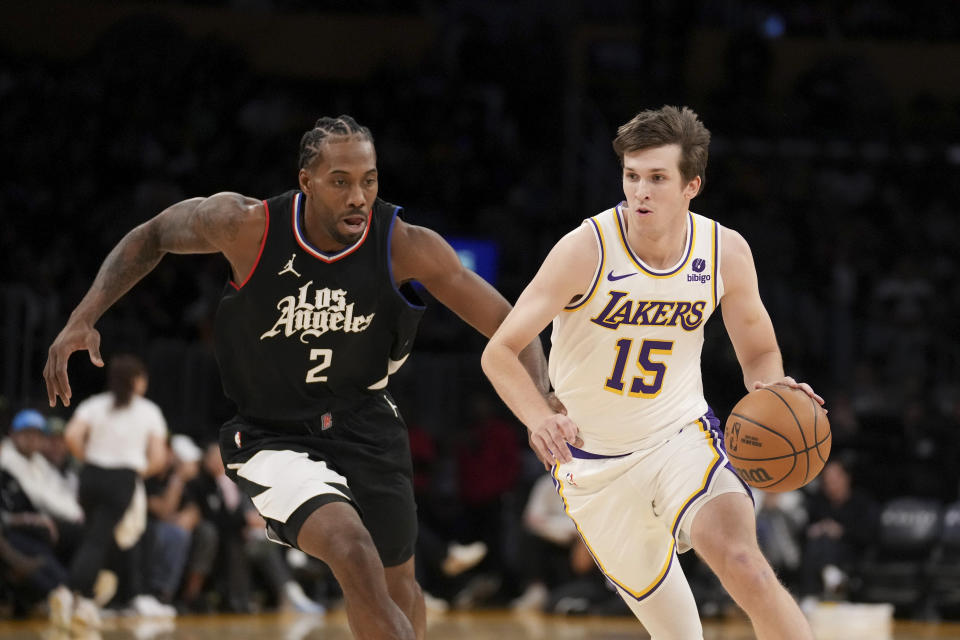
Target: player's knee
(350,551)
(747,567)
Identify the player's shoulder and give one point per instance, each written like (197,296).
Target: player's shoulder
(229,205)
(576,252)
(732,243)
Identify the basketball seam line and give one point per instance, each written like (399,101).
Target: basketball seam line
(787,455)
(803,436)
(793,455)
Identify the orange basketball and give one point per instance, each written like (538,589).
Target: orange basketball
(777,438)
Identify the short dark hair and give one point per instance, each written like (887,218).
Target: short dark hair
(311,144)
(122,371)
(667,125)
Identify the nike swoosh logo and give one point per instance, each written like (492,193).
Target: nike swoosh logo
(613,278)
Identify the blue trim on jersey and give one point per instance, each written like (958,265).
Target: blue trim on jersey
(393,281)
(301,237)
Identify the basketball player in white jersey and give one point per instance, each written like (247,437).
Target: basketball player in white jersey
(638,458)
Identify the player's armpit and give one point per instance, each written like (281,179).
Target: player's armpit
(418,253)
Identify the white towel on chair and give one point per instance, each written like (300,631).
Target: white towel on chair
(134,520)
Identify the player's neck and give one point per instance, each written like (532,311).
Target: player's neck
(317,235)
(658,246)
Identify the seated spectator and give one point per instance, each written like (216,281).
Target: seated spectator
(545,547)
(842,523)
(170,524)
(232,536)
(780,520)
(28,536)
(43,484)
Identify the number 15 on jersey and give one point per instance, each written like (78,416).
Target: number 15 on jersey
(650,382)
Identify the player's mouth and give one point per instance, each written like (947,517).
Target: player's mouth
(643,211)
(355,223)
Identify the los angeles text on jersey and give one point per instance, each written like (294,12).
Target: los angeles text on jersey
(660,313)
(328,310)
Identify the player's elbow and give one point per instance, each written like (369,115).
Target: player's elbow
(487,358)
(494,355)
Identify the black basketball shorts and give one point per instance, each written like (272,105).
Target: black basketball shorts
(359,455)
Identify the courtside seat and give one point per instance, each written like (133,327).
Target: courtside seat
(894,569)
(943,568)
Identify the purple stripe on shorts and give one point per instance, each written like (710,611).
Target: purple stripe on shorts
(716,430)
(586,455)
(710,421)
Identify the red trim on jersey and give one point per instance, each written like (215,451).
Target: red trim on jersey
(316,253)
(263,243)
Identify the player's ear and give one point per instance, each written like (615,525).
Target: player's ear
(692,188)
(304,179)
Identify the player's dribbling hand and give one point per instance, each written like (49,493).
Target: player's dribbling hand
(793,384)
(71,338)
(550,438)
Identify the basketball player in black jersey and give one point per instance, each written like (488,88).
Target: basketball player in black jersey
(316,317)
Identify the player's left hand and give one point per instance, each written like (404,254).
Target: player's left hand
(793,384)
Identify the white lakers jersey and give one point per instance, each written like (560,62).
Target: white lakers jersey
(625,357)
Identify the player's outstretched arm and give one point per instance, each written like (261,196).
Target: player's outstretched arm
(746,319)
(421,254)
(225,222)
(565,274)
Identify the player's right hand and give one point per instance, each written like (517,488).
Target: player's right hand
(73,337)
(549,439)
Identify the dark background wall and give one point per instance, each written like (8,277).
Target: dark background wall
(836,150)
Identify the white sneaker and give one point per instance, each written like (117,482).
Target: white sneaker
(294,599)
(461,557)
(435,604)
(60,602)
(149,607)
(86,615)
(534,598)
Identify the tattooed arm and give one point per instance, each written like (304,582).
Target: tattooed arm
(228,223)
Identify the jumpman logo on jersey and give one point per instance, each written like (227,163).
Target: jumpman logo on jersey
(289,267)
(392,406)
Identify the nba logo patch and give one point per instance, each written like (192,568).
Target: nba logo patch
(326,421)
(236,438)
(570,479)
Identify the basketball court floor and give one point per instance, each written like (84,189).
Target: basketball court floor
(486,625)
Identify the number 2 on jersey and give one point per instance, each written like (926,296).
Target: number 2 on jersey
(325,356)
(639,386)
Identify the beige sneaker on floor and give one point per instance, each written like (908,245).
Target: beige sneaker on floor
(105,587)
(60,602)
(461,557)
(86,615)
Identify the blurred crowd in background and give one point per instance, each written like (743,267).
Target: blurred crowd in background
(844,184)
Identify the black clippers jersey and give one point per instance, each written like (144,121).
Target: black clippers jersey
(311,331)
